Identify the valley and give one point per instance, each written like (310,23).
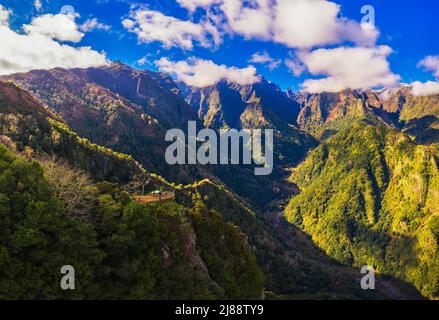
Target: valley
(354,182)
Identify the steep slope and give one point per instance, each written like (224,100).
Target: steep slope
(27,126)
(418,115)
(155,93)
(129,251)
(114,105)
(262,105)
(324,114)
(327,113)
(294,268)
(242,106)
(182,236)
(370,196)
(96,113)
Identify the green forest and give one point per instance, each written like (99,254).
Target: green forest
(120,249)
(369,195)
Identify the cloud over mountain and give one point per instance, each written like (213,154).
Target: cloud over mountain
(348,68)
(203,73)
(429,63)
(59,26)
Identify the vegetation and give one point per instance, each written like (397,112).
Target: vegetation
(126,251)
(292,269)
(368,193)
(369,196)
(28,127)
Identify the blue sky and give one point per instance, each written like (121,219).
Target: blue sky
(409,28)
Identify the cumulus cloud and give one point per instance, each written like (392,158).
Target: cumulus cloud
(151,26)
(310,23)
(348,68)
(294,23)
(266,59)
(294,64)
(143,61)
(4,16)
(203,73)
(431,63)
(38,47)
(192,5)
(249,21)
(425,88)
(59,26)
(93,24)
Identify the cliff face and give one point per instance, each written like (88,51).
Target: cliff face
(365,189)
(225,104)
(326,113)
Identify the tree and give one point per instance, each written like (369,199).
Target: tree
(139,181)
(72,186)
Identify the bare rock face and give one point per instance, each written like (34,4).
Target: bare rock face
(242,106)
(324,114)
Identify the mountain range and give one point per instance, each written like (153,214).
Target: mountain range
(355,182)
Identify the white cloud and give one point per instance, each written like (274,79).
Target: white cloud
(250,22)
(265,58)
(310,23)
(192,5)
(93,24)
(59,26)
(151,26)
(4,16)
(294,64)
(38,5)
(425,88)
(203,73)
(295,23)
(348,68)
(143,61)
(431,63)
(260,58)
(38,49)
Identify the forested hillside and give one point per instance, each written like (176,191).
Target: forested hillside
(369,195)
(365,191)
(120,249)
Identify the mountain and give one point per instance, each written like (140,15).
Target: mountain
(127,251)
(53,214)
(129,111)
(326,113)
(294,268)
(229,104)
(369,195)
(262,105)
(363,191)
(34,130)
(27,126)
(418,115)
(92,102)
(156,93)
